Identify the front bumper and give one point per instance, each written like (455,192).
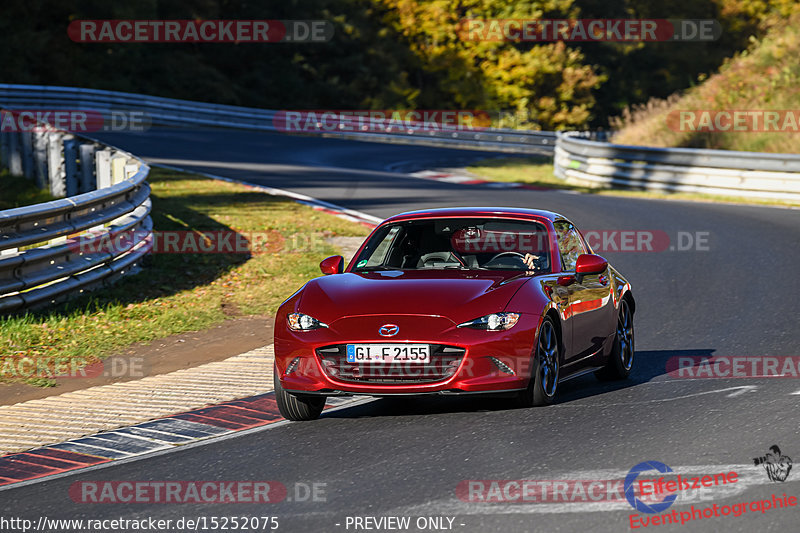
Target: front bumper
(487,361)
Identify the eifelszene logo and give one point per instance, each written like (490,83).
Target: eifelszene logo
(777,465)
(630,492)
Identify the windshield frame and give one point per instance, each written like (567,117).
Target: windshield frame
(542,226)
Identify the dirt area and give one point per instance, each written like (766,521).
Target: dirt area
(186,350)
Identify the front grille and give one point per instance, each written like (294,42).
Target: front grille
(443,364)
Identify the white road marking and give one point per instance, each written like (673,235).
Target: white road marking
(739,390)
(742,390)
(748,477)
(348,214)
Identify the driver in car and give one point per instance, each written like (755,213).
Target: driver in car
(530,261)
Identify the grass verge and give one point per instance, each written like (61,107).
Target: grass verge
(19,192)
(765,77)
(182,292)
(538,171)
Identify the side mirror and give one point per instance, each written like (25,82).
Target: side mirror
(589,264)
(332,265)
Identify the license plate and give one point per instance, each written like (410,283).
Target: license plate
(388,353)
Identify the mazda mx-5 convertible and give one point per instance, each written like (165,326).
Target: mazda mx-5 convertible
(455,301)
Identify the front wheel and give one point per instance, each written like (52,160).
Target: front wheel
(294,407)
(620,361)
(544,380)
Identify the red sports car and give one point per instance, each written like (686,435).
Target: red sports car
(455,301)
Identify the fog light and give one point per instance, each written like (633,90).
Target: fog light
(293,365)
(502,366)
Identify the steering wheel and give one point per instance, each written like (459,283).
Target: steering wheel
(501,254)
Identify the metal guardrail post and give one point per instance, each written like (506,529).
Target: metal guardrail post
(55,165)
(71,175)
(118,168)
(4,142)
(40,149)
(87,180)
(26,143)
(103,168)
(130,168)
(14,154)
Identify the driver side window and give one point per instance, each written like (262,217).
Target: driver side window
(569,244)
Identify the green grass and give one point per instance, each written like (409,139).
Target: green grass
(184,292)
(16,191)
(538,171)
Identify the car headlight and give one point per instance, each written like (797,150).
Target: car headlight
(301,322)
(493,322)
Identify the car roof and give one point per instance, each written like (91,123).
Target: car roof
(489,212)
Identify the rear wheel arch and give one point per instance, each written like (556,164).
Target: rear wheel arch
(621,358)
(631,302)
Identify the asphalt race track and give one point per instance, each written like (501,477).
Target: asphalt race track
(736,296)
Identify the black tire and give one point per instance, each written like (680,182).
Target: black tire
(543,385)
(620,362)
(294,407)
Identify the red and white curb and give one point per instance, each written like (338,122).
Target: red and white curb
(461,179)
(145,438)
(163,434)
(319,205)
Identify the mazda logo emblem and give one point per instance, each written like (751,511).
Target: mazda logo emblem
(388,330)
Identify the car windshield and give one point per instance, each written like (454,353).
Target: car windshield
(463,243)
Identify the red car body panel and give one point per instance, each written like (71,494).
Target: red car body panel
(428,305)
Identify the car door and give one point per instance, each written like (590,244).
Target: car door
(589,299)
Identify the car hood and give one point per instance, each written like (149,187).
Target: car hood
(455,294)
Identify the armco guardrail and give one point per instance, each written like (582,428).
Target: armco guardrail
(721,172)
(39,260)
(59,248)
(182,113)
